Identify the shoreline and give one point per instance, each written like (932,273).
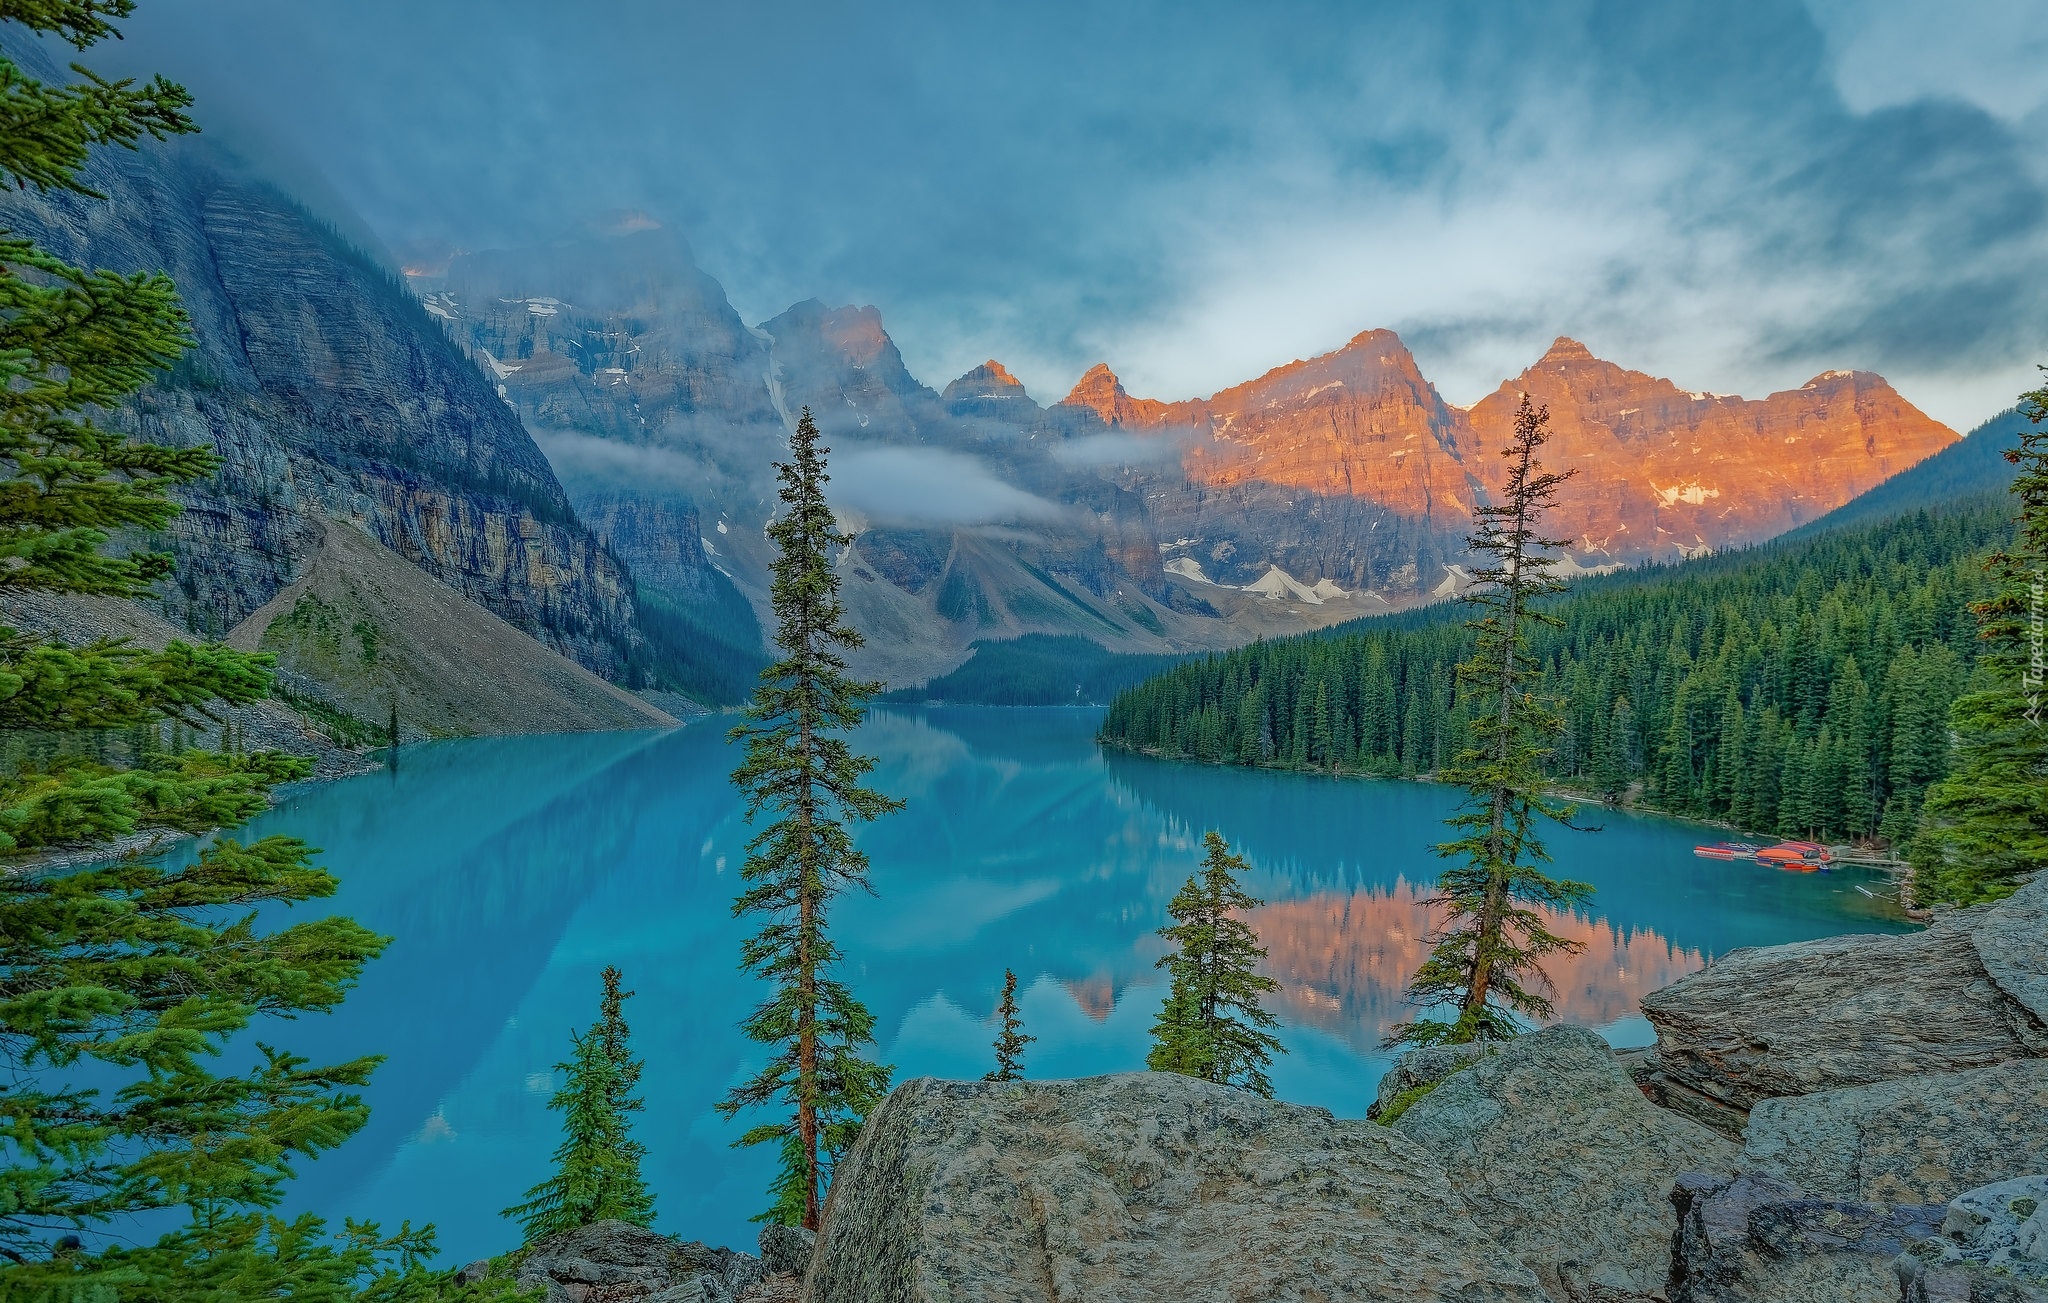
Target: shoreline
(1903,876)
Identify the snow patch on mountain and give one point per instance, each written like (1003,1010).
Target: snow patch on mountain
(1189,568)
(1277,583)
(1692,492)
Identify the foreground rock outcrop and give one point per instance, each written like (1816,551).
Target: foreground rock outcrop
(613,1262)
(616,1261)
(1756,1239)
(1969,992)
(1417,1071)
(1143,1186)
(1920,1139)
(1563,1161)
(1992,1248)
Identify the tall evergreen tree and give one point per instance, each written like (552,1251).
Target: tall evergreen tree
(1985,826)
(1010,1040)
(121,987)
(1212,1024)
(1487,957)
(800,770)
(617,1037)
(597,1165)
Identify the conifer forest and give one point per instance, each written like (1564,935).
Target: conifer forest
(1799,689)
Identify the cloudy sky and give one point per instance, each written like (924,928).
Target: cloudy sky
(1734,193)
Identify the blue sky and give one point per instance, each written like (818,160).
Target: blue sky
(1737,194)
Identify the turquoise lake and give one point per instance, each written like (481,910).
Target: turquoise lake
(509,871)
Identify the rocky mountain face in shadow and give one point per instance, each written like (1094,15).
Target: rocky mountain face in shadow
(329,392)
(1329,488)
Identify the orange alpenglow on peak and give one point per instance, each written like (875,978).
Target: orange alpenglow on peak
(989,380)
(1566,349)
(1360,422)
(1664,471)
(1103,394)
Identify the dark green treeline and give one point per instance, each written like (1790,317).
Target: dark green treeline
(1800,688)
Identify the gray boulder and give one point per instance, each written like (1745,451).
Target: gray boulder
(1847,1011)
(1920,1139)
(1563,1160)
(1993,1248)
(2011,941)
(1421,1067)
(1756,1239)
(1142,1186)
(621,1263)
(786,1250)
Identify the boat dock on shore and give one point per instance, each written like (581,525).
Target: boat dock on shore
(1801,856)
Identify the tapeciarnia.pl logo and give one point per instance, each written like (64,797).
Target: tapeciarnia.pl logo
(2037,659)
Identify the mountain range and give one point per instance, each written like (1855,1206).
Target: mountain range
(1325,489)
(578,438)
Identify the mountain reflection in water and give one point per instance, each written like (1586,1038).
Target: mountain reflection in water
(509,871)
(1342,961)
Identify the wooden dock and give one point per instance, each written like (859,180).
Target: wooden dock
(1864,859)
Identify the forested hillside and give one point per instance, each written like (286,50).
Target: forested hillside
(1799,688)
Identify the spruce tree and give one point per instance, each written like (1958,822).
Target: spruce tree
(800,771)
(1212,1025)
(121,987)
(617,1037)
(1984,827)
(1011,1040)
(1486,961)
(597,1165)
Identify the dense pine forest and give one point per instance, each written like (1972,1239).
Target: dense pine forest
(1800,688)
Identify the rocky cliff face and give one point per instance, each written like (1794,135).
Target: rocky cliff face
(328,392)
(647,390)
